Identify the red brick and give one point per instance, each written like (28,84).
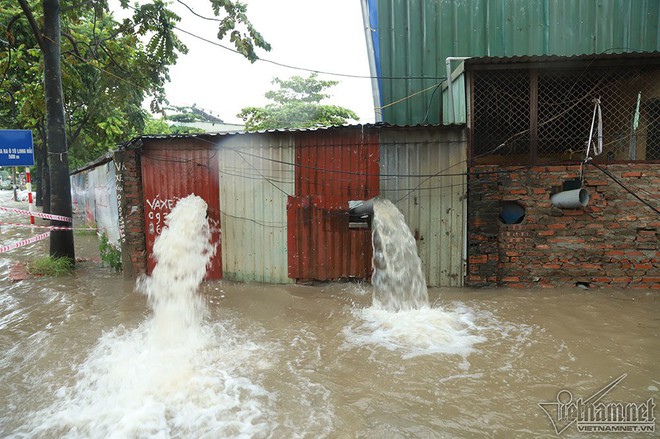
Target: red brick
(476,259)
(623,279)
(590,266)
(643,266)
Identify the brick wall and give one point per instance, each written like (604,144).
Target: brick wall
(131,212)
(613,242)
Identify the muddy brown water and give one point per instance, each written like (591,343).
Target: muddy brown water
(76,359)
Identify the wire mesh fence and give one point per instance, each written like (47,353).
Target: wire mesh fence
(525,116)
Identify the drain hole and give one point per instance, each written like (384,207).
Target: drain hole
(511,212)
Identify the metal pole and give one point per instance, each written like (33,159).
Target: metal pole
(13,184)
(28,186)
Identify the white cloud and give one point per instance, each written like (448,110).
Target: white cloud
(313,34)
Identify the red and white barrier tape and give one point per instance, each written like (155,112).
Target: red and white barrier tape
(48,227)
(23,242)
(39,214)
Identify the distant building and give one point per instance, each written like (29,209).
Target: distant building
(193,117)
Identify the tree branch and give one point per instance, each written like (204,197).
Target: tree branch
(33,24)
(74,44)
(77,5)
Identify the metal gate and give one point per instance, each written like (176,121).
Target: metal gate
(333,167)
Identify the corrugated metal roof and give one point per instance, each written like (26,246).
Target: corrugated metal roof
(101,160)
(642,57)
(136,142)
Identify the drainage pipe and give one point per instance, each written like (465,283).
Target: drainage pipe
(361,208)
(573,199)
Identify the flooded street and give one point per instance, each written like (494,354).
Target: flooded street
(80,357)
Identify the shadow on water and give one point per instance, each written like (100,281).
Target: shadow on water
(78,359)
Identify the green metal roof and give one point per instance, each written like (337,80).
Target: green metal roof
(413,38)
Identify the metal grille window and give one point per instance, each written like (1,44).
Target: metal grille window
(544,115)
(501,115)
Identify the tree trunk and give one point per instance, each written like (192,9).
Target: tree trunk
(45,181)
(61,241)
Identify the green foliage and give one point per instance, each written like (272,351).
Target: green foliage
(49,266)
(109,68)
(160,126)
(110,254)
(244,36)
(179,129)
(156,126)
(296,104)
(185,117)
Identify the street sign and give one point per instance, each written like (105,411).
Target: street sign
(16,148)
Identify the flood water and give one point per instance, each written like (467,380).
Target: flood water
(79,358)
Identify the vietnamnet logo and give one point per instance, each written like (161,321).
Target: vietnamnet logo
(593,416)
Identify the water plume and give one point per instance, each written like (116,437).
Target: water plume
(175,375)
(400,318)
(397,278)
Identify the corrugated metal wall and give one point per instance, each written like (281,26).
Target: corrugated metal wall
(333,167)
(173,168)
(415,37)
(434,204)
(285,195)
(256,176)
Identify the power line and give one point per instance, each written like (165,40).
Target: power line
(289,66)
(620,183)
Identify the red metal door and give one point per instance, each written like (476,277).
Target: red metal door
(173,169)
(332,167)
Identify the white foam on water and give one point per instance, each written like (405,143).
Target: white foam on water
(173,376)
(128,387)
(413,333)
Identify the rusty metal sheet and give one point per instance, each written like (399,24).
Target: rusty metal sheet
(332,168)
(173,169)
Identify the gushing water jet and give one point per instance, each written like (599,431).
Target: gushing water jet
(398,281)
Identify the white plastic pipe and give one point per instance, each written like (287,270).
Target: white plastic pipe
(573,199)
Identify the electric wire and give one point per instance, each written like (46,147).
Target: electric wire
(620,183)
(288,66)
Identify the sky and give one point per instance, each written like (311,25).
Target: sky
(323,35)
